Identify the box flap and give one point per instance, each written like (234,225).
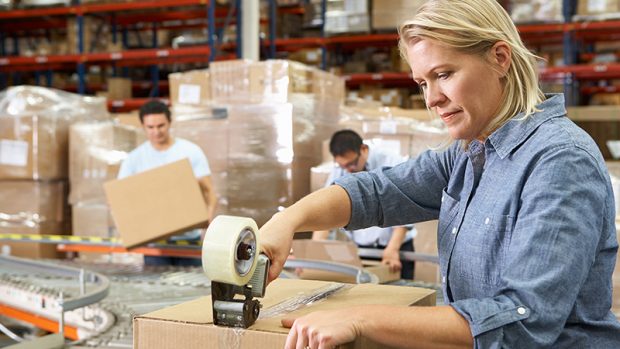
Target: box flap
(157,203)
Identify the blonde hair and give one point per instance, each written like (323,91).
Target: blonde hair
(473,27)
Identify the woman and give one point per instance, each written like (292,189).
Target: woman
(527,240)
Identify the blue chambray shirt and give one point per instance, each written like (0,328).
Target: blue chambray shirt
(527,238)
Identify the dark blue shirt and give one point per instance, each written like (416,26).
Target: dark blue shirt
(527,238)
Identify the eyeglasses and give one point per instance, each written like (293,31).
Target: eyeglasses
(352,165)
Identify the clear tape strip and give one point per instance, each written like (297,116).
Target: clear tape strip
(303,300)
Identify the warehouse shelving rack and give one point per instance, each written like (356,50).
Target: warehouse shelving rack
(182,14)
(577,70)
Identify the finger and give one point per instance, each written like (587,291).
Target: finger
(314,339)
(302,337)
(291,339)
(275,269)
(288,322)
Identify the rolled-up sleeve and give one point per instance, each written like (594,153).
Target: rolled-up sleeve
(406,193)
(551,255)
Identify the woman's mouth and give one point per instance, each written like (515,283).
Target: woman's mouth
(447,117)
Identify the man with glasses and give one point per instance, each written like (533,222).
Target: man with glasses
(352,155)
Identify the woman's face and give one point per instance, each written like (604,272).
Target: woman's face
(463,89)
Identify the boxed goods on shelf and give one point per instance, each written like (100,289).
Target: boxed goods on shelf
(119,88)
(527,11)
(599,7)
(347,16)
(389,14)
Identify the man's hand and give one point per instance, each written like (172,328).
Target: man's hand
(391,258)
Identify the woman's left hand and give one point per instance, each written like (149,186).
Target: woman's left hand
(323,329)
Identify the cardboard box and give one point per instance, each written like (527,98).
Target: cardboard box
(33,202)
(597,7)
(119,88)
(96,152)
(92,220)
(320,174)
(131,119)
(156,204)
(192,87)
(389,14)
(190,324)
(426,242)
(344,252)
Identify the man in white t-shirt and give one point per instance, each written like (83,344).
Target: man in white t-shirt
(352,155)
(162,149)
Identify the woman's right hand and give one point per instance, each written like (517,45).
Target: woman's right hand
(276,238)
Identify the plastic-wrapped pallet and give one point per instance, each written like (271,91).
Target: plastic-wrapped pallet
(34,127)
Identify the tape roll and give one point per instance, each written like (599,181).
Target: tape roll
(230,250)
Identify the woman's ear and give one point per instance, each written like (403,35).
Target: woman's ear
(501,56)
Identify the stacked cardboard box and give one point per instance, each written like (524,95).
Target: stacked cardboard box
(407,132)
(262,121)
(96,152)
(34,126)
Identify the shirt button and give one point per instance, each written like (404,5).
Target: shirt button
(487,220)
(521,310)
(443,279)
(453,230)
(442,198)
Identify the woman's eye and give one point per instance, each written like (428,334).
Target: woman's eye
(443,75)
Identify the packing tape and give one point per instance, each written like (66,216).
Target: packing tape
(219,249)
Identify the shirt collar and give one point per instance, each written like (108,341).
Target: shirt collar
(515,131)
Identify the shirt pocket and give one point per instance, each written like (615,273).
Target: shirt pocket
(488,245)
(447,213)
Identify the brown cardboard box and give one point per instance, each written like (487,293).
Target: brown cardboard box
(96,152)
(320,174)
(92,220)
(191,87)
(33,148)
(128,119)
(589,7)
(190,324)
(389,14)
(156,204)
(119,88)
(426,242)
(33,207)
(34,127)
(33,202)
(344,252)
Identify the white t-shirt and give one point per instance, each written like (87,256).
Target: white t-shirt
(145,157)
(377,158)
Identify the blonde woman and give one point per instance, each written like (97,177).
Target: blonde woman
(527,241)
